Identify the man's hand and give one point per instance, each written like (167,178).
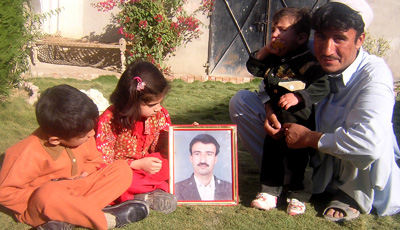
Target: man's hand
(150,165)
(298,136)
(288,100)
(272,126)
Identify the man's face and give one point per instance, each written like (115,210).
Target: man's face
(203,158)
(336,49)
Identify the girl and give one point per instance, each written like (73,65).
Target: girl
(135,128)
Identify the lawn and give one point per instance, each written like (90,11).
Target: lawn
(206,103)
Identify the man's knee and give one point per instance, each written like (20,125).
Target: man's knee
(239,98)
(248,104)
(239,101)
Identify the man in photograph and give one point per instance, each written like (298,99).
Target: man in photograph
(203,185)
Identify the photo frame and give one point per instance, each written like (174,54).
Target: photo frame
(205,164)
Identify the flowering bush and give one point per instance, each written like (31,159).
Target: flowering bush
(207,6)
(154,28)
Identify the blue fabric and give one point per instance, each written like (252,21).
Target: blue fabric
(247,111)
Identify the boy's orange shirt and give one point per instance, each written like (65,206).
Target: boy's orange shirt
(32,162)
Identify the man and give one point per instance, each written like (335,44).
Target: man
(203,185)
(357,148)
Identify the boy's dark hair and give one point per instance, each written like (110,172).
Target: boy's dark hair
(302,23)
(205,139)
(65,112)
(126,98)
(337,16)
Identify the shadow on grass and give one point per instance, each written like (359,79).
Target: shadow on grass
(8,212)
(249,178)
(1,159)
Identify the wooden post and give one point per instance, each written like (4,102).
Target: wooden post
(122,48)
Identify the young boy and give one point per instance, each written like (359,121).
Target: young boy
(294,81)
(50,179)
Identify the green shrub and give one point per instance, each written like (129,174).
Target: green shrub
(19,26)
(376,45)
(13,39)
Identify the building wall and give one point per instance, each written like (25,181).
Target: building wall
(386,16)
(78,19)
(190,60)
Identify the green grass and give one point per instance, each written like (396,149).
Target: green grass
(206,103)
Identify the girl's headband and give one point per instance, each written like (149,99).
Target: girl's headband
(140,85)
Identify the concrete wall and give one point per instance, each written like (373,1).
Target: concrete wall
(79,19)
(386,17)
(190,60)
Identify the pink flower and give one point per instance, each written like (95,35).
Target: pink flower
(130,36)
(143,24)
(158,18)
(121,30)
(174,25)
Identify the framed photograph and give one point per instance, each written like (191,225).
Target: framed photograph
(203,164)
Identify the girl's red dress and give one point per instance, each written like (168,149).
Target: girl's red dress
(147,138)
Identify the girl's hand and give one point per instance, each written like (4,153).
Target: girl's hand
(150,165)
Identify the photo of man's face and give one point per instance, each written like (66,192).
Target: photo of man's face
(203,158)
(196,175)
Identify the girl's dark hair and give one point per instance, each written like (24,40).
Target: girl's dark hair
(126,98)
(337,16)
(65,112)
(301,16)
